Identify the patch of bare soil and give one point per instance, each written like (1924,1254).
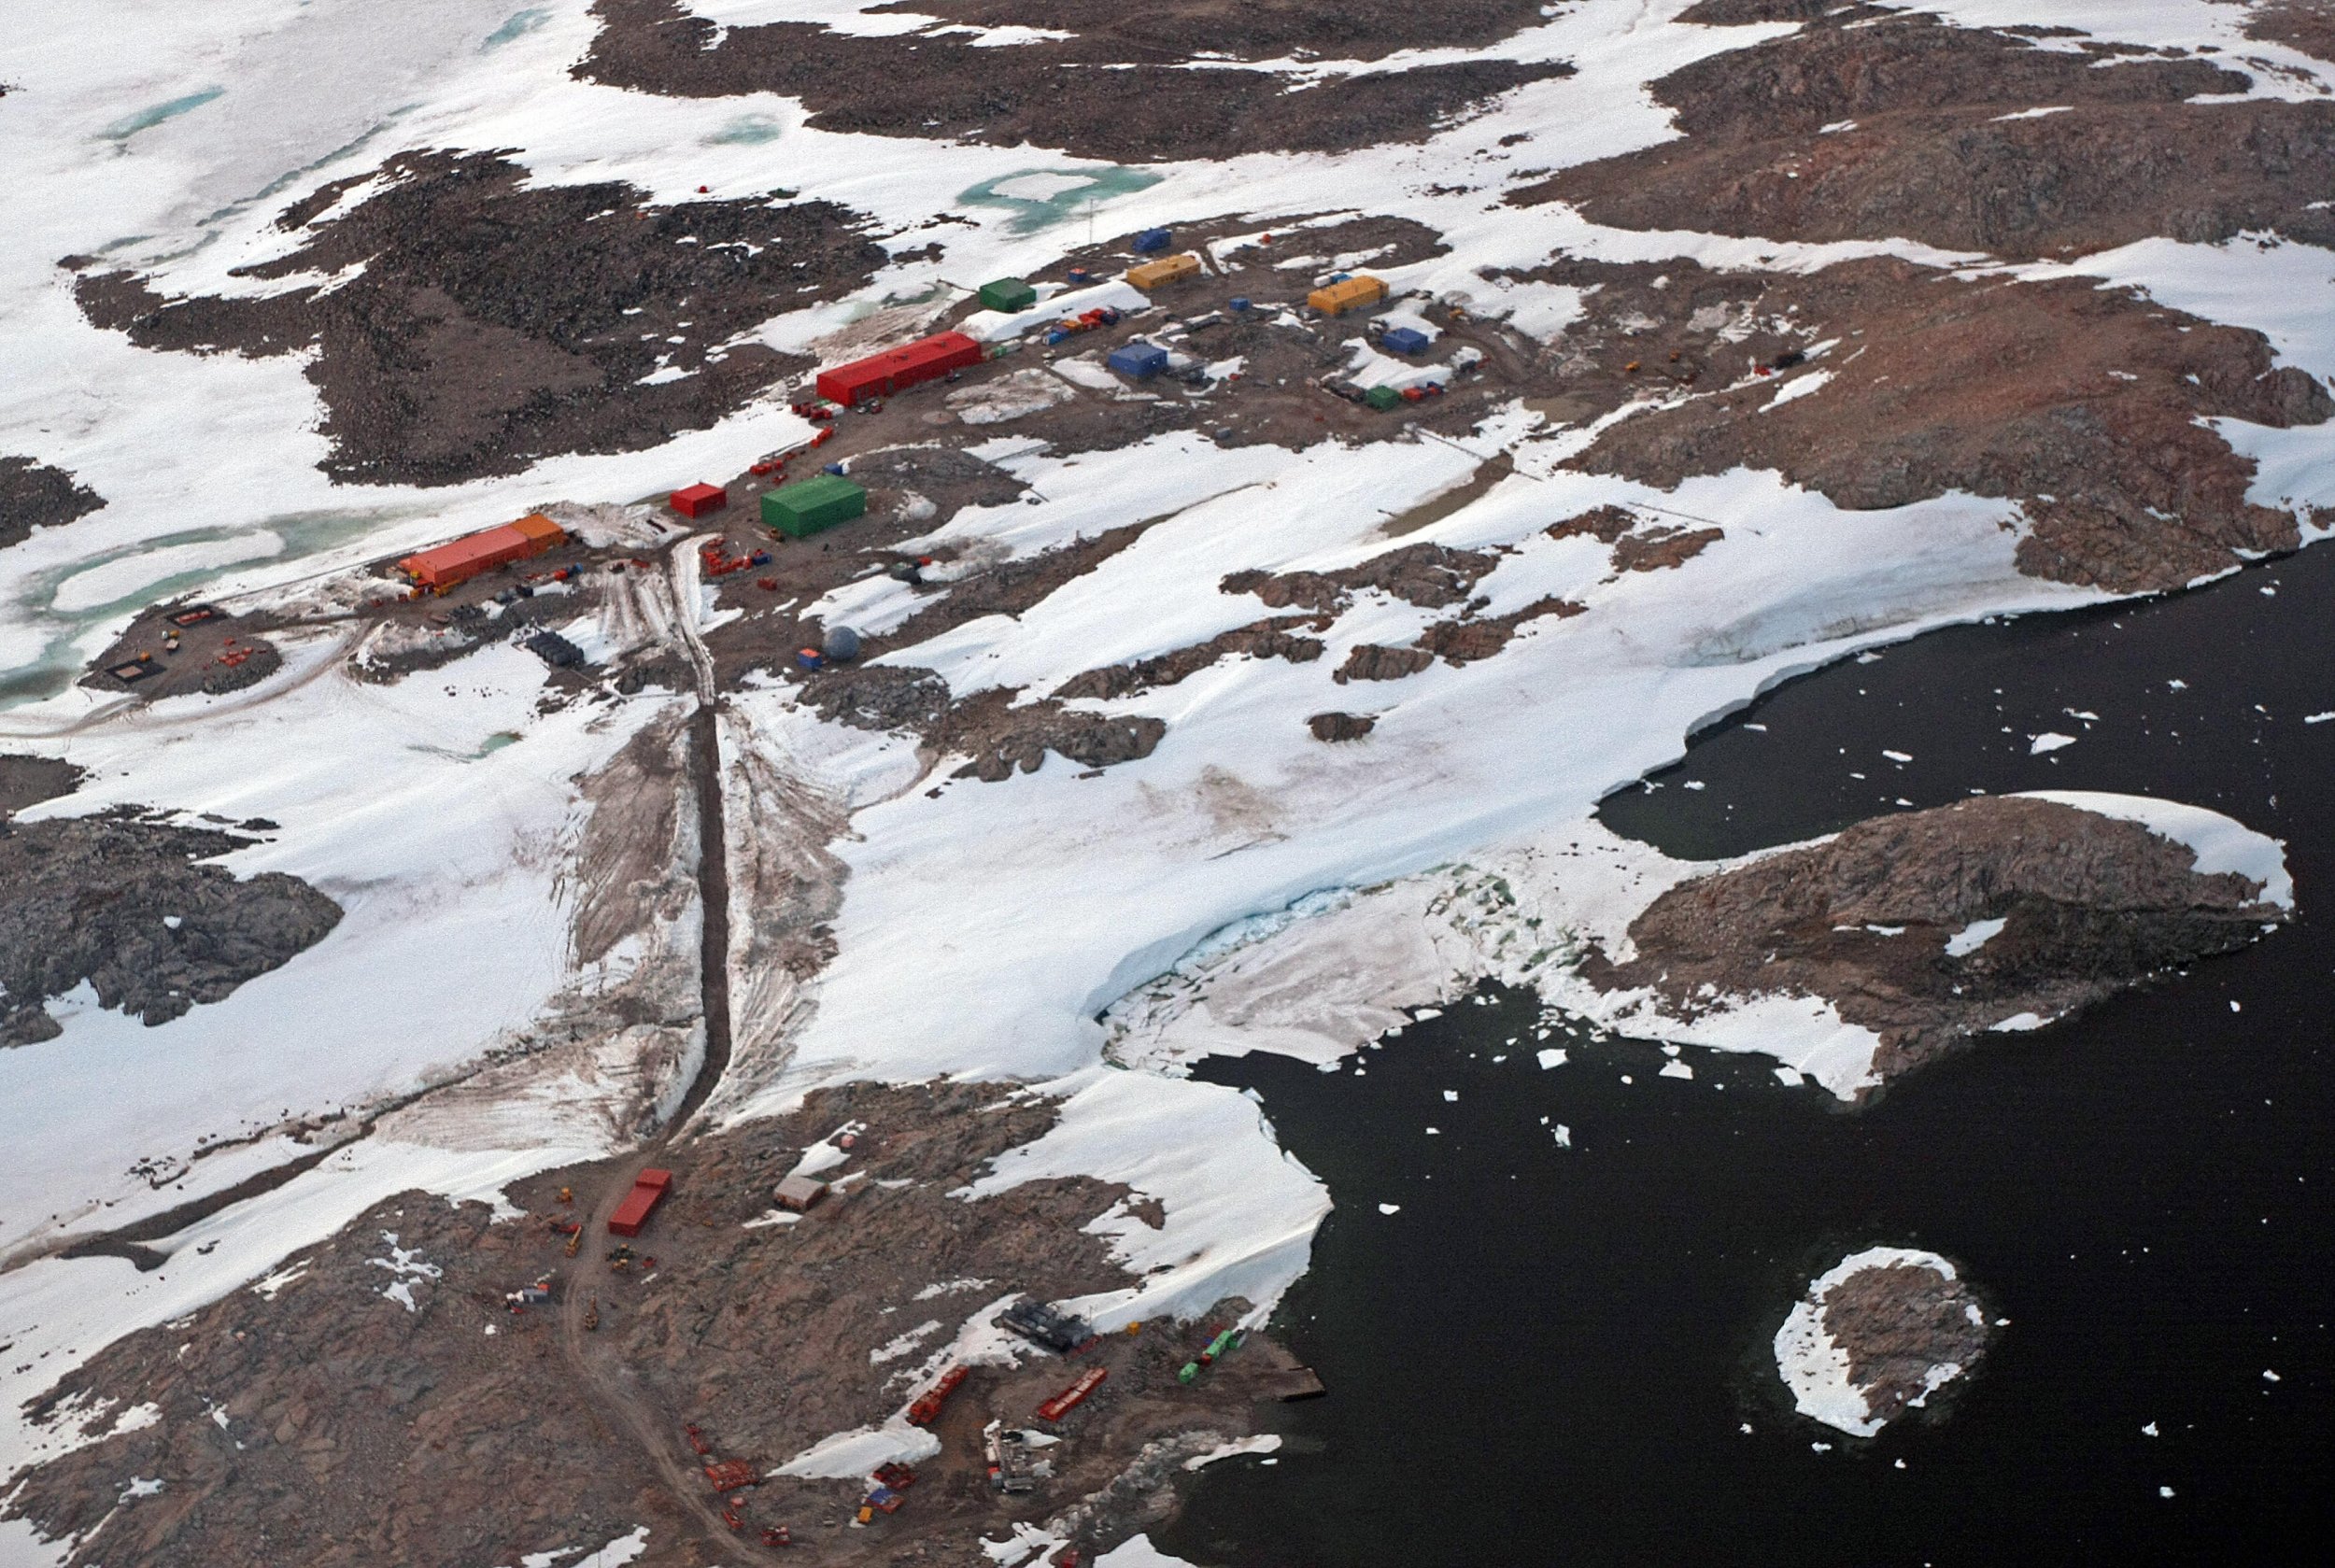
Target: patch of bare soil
(2308,25)
(1002,737)
(35,495)
(999,736)
(1275,637)
(2090,906)
(128,905)
(1901,1323)
(1468,638)
(1662,548)
(2087,406)
(479,323)
(1341,727)
(1428,576)
(27,781)
(379,1402)
(1906,127)
(1115,90)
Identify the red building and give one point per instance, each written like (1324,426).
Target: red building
(880,375)
(633,1213)
(699,500)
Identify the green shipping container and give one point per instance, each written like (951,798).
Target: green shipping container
(803,508)
(1381,398)
(1008,294)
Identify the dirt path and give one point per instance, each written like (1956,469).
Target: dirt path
(600,1377)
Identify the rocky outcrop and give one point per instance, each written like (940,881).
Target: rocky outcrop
(476,323)
(1428,575)
(1863,126)
(1932,927)
(1878,1334)
(1073,93)
(35,495)
(1880,383)
(128,905)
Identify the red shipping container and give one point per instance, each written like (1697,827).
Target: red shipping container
(444,565)
(1061,1404)
(881,375)
(631,1214)
(699,500)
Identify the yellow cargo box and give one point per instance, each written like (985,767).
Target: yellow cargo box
(1352,294)
(1167,269)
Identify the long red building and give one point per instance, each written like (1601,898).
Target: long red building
(880,375)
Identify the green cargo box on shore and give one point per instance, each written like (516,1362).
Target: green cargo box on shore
(1008,294)
(1383,398)
(805,507)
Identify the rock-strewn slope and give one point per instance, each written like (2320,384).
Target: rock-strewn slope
(1887,128)
(1931,927)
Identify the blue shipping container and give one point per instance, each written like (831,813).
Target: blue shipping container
(1404,340)
(1138,359)
(1151,240)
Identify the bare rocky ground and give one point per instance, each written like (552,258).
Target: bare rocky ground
(2087,406)
(1903,1324)
(128,903)
(36,495)
(27,781)
(377,1400)
(2308,25)
(1866,125)
(477,324)
(1119,89)
(2090,906)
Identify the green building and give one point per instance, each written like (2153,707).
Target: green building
(805,507)
(1008,294)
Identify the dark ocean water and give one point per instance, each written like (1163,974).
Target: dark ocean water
(1548,1355)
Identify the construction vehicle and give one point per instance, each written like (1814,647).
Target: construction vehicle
(576,1240)
(697,1438)
(1008,1456)
(591,1315)
(1084,321)
(776,1535)
(926,1408)
(1040,1324)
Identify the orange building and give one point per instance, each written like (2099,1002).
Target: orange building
(444,566)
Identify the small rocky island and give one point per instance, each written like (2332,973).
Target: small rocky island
(1878,1334)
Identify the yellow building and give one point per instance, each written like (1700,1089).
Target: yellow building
(1167,269)
(1352,294)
